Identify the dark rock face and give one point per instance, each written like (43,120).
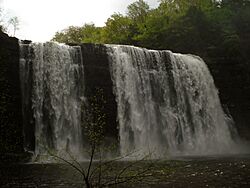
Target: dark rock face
(10,96)
(28,119)
(233,82)
(97,76)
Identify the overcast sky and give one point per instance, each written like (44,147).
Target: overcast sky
(40,19)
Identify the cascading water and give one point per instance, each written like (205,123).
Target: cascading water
(52,79)
(167,104)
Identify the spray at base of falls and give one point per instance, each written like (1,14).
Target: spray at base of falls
(167,104)
(56,72)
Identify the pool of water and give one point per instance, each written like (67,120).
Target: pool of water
(189,171)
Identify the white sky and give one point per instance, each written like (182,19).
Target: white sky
(40,19)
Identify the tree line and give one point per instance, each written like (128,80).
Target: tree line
(209,28)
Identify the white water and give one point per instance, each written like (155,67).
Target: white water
(167,104)
(57,90)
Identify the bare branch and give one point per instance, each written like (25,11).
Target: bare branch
(91,159)
(69,163)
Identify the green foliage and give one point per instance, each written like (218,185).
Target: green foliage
(88,33)
(138,10)
(118,29)
(209,28)
(69,35)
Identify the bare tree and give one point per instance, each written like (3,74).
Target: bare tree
(6,22)
(2,28)
(14,22)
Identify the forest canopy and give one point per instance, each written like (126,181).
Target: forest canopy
(209,28)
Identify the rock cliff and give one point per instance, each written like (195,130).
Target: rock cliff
(10,96)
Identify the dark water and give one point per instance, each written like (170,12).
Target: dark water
(233,171)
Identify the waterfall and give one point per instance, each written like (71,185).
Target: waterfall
(52,91)
(167,104)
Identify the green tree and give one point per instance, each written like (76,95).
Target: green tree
(70,35)
(88,33)
(118,30)
(210,28)
(91,34)
(138,11)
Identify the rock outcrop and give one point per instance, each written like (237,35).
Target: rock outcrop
(10,96)
(233,83)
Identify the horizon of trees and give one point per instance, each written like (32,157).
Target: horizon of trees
(203,27)
(216,30)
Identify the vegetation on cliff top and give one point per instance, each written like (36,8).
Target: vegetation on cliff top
(208,28)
